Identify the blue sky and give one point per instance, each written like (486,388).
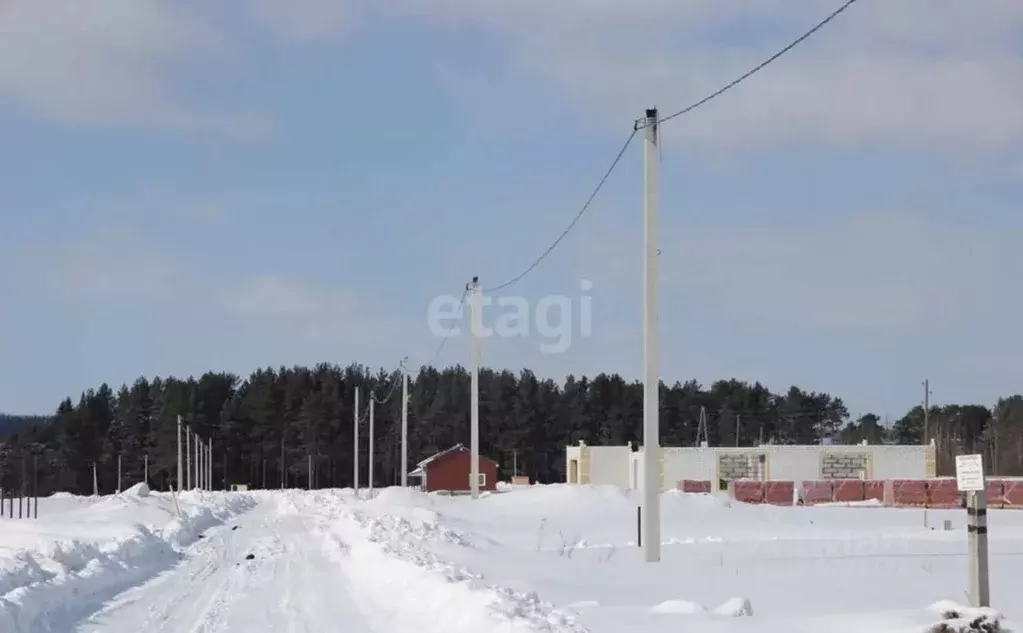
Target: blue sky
(224,185)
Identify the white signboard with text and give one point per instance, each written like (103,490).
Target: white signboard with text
(970,473)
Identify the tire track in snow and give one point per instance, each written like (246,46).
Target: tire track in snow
(289,586)
(187,598)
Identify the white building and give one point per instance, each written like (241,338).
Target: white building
(622,466)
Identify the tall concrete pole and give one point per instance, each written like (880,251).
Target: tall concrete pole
(651,514)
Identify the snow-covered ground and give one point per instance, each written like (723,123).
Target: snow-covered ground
(552,559)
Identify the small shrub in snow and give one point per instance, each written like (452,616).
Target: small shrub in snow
(959,619)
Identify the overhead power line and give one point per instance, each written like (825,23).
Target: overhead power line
(444,339)
(637,126)
(796,42)
(571,225)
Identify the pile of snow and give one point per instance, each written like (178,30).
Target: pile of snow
(385,557)
(735,608)
(732,608)
(140,490)
(56,568)
(683,607)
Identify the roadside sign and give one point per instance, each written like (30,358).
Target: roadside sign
(970,473)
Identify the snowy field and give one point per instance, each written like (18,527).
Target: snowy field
(554,559)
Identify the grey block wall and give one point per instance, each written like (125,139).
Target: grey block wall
(844,465)
(732,466)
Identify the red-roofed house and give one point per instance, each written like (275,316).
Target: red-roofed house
(449,471)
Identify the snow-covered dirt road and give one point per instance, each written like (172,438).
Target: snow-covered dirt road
(291,584)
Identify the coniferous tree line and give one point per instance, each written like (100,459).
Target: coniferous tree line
(266,427)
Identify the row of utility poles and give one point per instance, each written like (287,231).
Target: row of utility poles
(356,419)
(197,473)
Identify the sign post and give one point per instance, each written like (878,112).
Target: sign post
(970,479)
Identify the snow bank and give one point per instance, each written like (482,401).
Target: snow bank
(62,567)
(387,560)
(679,607)
(389,567)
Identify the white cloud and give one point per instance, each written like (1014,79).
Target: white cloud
(873,271)
(110,62)
(929,71)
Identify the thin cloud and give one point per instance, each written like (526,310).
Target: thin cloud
(915,71)
(112,63)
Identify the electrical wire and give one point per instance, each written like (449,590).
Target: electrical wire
(571,225)
(444,339)
(638,126)
(799,40)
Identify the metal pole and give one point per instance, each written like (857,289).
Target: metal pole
(180,462)
(355,441)
(978,582)
(370,456)
(404,428)
(651,521)
(474,389)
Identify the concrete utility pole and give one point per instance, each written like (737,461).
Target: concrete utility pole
(927,411)
(651,514)
(180,481)
(404,424)
(309,472)
(475,319)
(188,457)
(145,467)
(95,482)
(209,465)
(119,488)
(372,401)
(355,441)
(196,464)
